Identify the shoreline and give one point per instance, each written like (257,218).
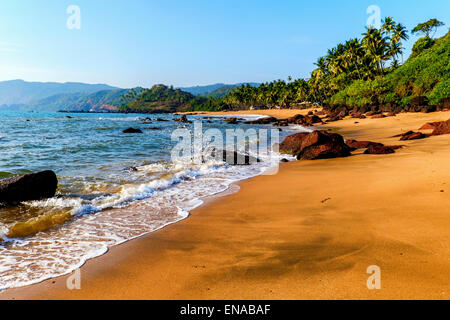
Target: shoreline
(182,260)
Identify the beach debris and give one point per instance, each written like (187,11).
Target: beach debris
(33,186)
(325,200)
(315,145)
(132,130)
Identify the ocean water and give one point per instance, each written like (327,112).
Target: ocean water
(113,187)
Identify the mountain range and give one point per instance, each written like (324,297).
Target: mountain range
(83,97)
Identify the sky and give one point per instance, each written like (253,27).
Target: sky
(128,43)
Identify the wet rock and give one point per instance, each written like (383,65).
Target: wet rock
(267,120)
(132,130)
(34,186)
(378,116)
(183,119)
(232,158)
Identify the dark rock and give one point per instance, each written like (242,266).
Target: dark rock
(34,186)
(413,136)
(315,145)
(378,116)
(232,157)
(183,119)
(442,127)
(232,120)
(284,160)
(266,120)
(132,130)
(419,101)
(354,144)
(379,150)
(161,120)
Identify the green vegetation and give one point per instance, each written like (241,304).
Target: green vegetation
(367,72)
(361,73)
(164,99)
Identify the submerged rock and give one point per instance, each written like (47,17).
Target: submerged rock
(34,186)
(183,119)
(132,130)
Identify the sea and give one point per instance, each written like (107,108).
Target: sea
(112,187)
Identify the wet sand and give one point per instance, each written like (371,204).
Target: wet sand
(308,232)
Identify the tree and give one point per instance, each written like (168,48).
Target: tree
(428,27)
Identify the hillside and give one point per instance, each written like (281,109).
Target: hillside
(213,89)
(19,92)
(159,98)
(425,74)
(105,100)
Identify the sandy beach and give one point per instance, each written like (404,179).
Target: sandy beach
(308,232)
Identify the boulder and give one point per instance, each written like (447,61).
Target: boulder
(378,116)
(411,135)
(354,144)
(183,119)
(132,130)
(231,157)
(266,120)
(442,127)
(315,145)
(379,150)
(419,101)
(34,186)
(232,120)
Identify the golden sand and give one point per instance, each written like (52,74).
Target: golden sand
(309,232)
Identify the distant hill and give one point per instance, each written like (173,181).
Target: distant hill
(105,100)
(19,92)
(210,89)
(160,98)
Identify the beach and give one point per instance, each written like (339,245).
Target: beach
(308,232)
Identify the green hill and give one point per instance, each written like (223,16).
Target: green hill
(425,74)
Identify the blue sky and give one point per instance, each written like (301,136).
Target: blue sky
(185,42)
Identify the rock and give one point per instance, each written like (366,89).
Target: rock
(378,116)
(34,186)
(232,120)
(442,127)
(69,117)
(132,130)
(391,114)
(161,120)
(411,135)
(419,101)
(429,126)
(183,119)
(266,120)
(379,150)
(315,145)
(354,144)
(284,160)
(232,157)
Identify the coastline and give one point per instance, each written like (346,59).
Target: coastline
(292,244)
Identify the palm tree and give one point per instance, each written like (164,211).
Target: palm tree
(376,47)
